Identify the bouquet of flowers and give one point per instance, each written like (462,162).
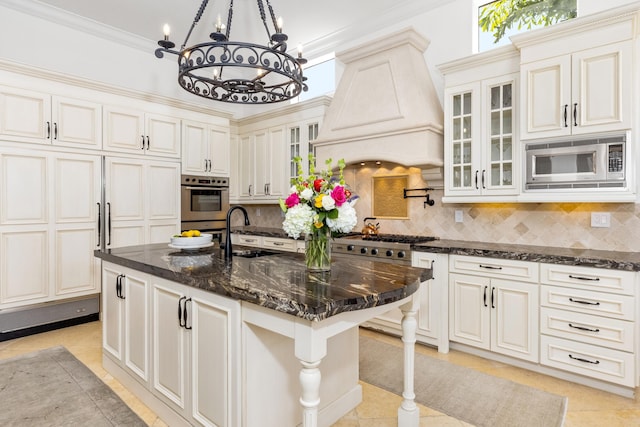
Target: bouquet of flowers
(318,207)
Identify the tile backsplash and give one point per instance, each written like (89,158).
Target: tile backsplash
(540,224)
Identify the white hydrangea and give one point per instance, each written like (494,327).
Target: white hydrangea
(298,220)
(347,219)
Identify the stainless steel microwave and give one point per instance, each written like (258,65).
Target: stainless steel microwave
(577,163)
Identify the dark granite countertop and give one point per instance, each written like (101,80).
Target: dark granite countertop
(629,261)
(280,281)
(615,260)
(260,231)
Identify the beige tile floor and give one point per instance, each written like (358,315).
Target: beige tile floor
(587,407)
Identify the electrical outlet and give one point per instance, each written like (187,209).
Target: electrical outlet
(257,211)
(458,215)
(600,219)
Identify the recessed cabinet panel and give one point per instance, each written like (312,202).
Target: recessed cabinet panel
(76,267)
(25,115)
(163,182)
(210,355)
(124,130)
(125,192)
(24,266)
(163,135)
(24,195)
(77,123)
(169,346)
(78,185)
(136,326)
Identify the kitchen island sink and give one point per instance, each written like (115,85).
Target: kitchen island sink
(241,342)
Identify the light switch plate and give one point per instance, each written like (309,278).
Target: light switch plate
(600,219)
(458,215)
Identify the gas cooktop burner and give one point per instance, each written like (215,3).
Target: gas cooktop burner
(394,248)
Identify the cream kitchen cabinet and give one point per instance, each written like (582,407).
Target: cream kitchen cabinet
(48,226)
(126,314)
(176,346)
(267,242)
(266,146)
(494,305)
(206,149)
(134,131)
(195,335)
(588,91)
(587,322)
(30,116)
(481,145)
(262,169)
(142,201)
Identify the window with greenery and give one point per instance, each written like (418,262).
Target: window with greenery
(500,19)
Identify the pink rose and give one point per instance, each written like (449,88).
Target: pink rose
(338,195)
(292,200)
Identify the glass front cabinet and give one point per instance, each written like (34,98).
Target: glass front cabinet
(480,140)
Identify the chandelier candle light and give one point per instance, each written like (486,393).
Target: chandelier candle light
(238,72)
(318,207)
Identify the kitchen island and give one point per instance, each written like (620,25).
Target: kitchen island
(204,340)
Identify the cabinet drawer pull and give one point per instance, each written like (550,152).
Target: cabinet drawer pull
(583,302)
(580,359)
(249,240)
(591,279)
(582,328)
(490,267)
(278,243)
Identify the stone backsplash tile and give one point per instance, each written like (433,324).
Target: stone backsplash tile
(543,224)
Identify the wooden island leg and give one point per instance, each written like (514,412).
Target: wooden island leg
(408,412)
(310,399)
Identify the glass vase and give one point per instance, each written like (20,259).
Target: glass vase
(318,250)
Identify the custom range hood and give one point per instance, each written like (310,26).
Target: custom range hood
(385,106)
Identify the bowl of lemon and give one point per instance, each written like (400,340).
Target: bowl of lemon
(191,238)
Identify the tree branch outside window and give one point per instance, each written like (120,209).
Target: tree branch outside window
(499,16)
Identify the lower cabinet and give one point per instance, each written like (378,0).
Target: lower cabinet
(588,322)
(180,343)
(492,311)
(125,314)
(193,339)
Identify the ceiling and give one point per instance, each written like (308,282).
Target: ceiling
(312,23)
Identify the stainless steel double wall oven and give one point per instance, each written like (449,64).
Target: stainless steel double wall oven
(205,202)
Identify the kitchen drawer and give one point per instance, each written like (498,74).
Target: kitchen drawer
(288,245)
(247,240)
(597,279)
(596,303)
(586,359)
(611,333)
(523,271)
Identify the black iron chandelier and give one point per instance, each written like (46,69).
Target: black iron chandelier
(238,72)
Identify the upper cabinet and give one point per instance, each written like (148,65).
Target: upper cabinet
(577,76)
(136,132)
(30,116)
(482,153)
(265,149)
(206,149)
(585,92)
